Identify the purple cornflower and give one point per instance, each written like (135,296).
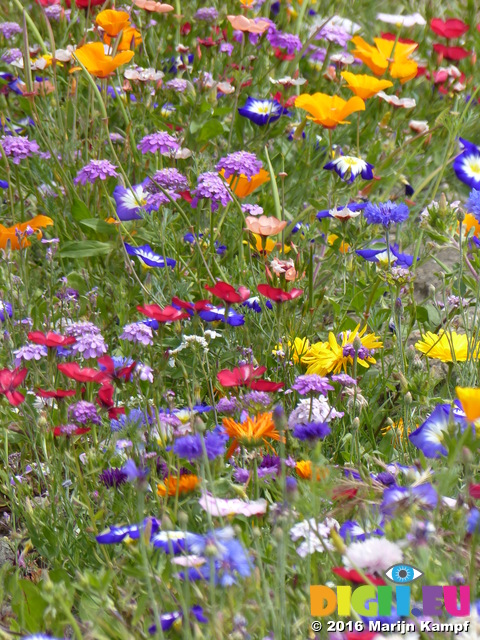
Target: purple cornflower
(30,352)
(190,447)
(94,170)
(241,475)
(311,431)
(211,186)
(177,84)
(19,147)
(132,472)
(55,11)
(77,329)
(83,412)
(159,142)
(138,332)
(344,380)
(281,40)
(270,465)
(170,179)
(252,209)
(226,47)
(167,620)
(114,137)
(227,405)
(11,55)
(206,14)
(9,29)
(5,310)
(239,162)
(112,477)
(90,345)
(386,213)
(334,33)
(312,383)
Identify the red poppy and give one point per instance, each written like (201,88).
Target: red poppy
(247,376)
(278,295)
(451,53)
(287,104)
(227,293)
(105,396)
(186,195)
(185,29)
(183,304)
(75,372)
(353,576)
(84,4)
(168,314)
(474,491)
(284,56)
(345,494)
(109,365)
(9,381)
(50,339)
(451,28)
(392,36)
(58,394)
(77,432)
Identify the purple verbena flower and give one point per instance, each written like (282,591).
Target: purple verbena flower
(227,405)
(177,84)
(137,332)
(77,329)
(252,209)
(11,55)
(170,179)
(210,186)
(312,383)
(10,29)
(256,400)
(281,40)
(206,14)
(83,412)
(18,147)
(55,11)
(161,142)
(334,33)
(90,345)
(239,163)
(344,380)
(30,352)
(95,170)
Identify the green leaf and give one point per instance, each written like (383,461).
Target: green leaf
(80,210)
(211,129)
(85,249)
(100,226)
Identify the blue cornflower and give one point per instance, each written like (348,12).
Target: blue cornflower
(473,521)
(473,203)
(231,562)
(353,531)
(386,213)
(190,447)
(5,311)
(133,472)
(467,164)
(262,112)
(210,313)
(136,418)
(423,495)
(311,431)
(167,620)
(3,184)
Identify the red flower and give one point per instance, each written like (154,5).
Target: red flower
(284,56)
(9,381)
(78,431)
(345,494)
(105,396)
(168,314)
(278,295)
(474,491)
(58,394)
(353,576)
(246,376)
(451,53)
(183,304)
(451,28)
(50,339)
(75,372)
(83,4)
(227,293)
(109,365)
(185,29)
(186,195)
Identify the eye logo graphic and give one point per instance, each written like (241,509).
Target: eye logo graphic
(403,574)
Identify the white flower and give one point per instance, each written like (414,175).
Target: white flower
(64,55)
(402,21)
(212,334)
(342,58)
(319,411)
(419,126)
(288,81)
(220,507)
(344,214)
(372,555)
(181,154)
(143,75)
(225,87)
(406,103)
(316,535)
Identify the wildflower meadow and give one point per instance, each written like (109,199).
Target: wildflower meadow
(239,320)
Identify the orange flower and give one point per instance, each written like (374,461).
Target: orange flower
(470,222)
(94,59)
(329,110)
(242,186)
(470,401)
(11,234)
(184,484)
(241,23)
(304,470)
(387,54)
(112,22)
(365,86)
(266,246)
(130,39)
(265,226)
(151,5)
(251,432)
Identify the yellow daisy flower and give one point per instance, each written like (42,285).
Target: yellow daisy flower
(447,346)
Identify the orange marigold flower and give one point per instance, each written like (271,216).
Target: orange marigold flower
(265,226)
(97,62)
(252,432)
(364,86)
(112,22)
(329,111)
(387,54)
(16,235)
(184,484)
(242,186)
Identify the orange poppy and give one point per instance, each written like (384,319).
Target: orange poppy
(470,400)
(387,54)
(241,23)
(184,484)
(95,60)
(242,186)
(252,432)
(131,38)
(16,235)
(365,86)
(329,110)
(264,225)
(470,222)
(112,22)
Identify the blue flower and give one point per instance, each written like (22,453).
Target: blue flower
(132,531)
(133,472)
(430,435)
(473,522)
(386,213)
(167,620)
(467,165)
(174,542)
(423,496)
(210,313)
(473,203)
(262,112)
(129,202)
(5,311)
(353,206)
(190,447)
(311,431)
(231,562)
(352,531)
(3,184)
(149,257)
(404,260)
(253,303)
(349,168)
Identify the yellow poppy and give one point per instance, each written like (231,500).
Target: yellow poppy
(95,60)
(329,111)
(363,85)
(387,54)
